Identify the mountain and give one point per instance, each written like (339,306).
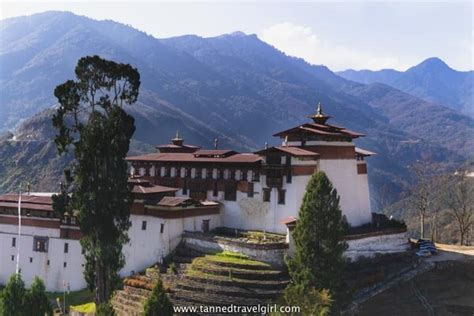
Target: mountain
(432,80)
(234,87)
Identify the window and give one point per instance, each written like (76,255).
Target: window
(31,259)
(13,258)
(40,244)
(220,174)
(198,173)
(255,176)
(250,190)
(215,191)
(266,194)
(187,173)
(73,220)
(281,196)
(65,264)
(232,175)
(47,262)
(13,242)
(209,173)
(66,247)
(143,225)
(243,175)
(185,188)
(167,172)
(205,225)
(162,228)
(230,193)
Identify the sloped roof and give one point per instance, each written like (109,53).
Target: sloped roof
(292,150)
(145,189)
(190,157)
(320,129)
(364,152)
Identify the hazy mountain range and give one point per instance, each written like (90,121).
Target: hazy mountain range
(234,87)
(432,80)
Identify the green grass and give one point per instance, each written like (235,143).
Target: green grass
(233,257)
(73,298)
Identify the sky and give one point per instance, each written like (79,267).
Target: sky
(341,35)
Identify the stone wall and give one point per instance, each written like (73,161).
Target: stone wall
(271,253)
(368,245)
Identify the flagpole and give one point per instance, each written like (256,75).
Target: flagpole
(19,234)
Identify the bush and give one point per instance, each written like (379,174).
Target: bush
(104,309)
(158,304)
(311,301)
(14,297)
(38,301)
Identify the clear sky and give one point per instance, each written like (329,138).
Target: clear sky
(340,35)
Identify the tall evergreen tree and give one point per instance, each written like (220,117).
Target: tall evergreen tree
(91,120)
(319,238)
(14,297)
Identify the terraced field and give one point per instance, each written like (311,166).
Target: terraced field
(197,279)
(227,278)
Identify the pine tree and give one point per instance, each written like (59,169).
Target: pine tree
(318,261)
(158,304)
(91,120)
(38,302)
(14,297)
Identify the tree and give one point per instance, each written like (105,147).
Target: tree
(38,303)
(14,297)
(158,303)
(105,309)
(319,239)
(91,120)
(459,195)
(422,192)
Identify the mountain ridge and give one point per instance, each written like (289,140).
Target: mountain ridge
(432,80)
(234,87)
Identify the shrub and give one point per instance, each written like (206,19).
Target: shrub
(14,297)
(104,309)
(38,302)
(158,304)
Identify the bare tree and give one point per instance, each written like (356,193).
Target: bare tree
(460,200)
(422,192)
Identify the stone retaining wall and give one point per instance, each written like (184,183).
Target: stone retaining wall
(369,246)
(271,253)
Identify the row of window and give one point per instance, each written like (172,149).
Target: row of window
(230,193)
(207,173)
(162,226)
(47,262)
(40,244)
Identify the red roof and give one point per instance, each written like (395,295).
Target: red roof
(289,220)
(31,199)
(294,151)
(320,129)
(176,146)
(214,152)
(190,157)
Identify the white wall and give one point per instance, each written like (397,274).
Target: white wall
(351,187)
(52,274)
(146,247)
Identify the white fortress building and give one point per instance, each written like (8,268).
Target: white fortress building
(185,188)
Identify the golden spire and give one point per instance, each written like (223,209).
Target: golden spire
(319,117)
